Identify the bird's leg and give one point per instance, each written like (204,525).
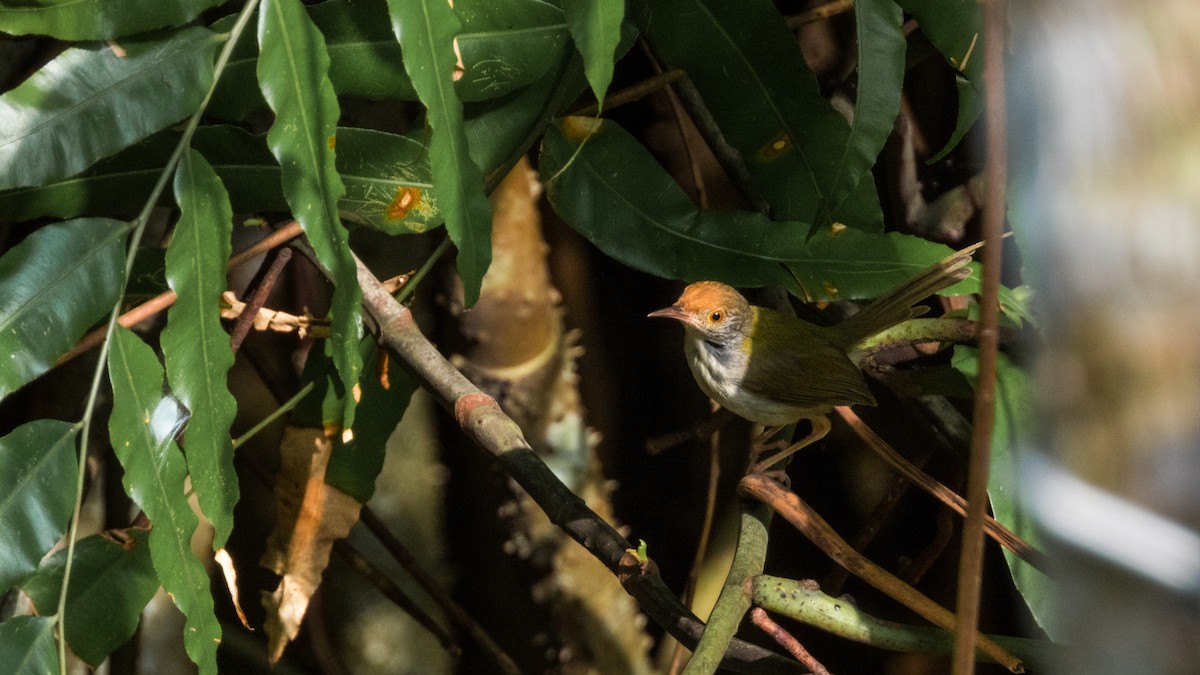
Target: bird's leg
(820,427)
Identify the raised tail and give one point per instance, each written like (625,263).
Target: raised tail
(896,305)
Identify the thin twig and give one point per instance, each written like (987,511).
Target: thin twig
(970,571)
(246,321)
(819,13)
(812,526)
(481,418)
(1004,536)
(162,301)
(632,93)
(394,593)
(788,641)
(700,431)
(457,615)
(681,124)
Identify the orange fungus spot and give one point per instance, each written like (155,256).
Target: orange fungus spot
(332,142)
(406,197)
(578,128)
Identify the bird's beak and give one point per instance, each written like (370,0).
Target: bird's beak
(673,312)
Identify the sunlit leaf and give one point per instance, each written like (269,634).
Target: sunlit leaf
(426,30)
(53,286)
(27,646)
(596,28)
(89,103)
(1012,432)
(194,344)
(96,19)
(37,494)
(388,185)
(293,74)
(748,68)
(111,582)
(142,428)
(504,47)
(616,195)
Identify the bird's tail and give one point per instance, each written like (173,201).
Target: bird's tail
(896,306)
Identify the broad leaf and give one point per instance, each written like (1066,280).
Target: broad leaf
(504,47)
(1012,431)
(194,344)
(616,195)
(746,65)
(877,102)
(955,28)
(426,30)
(27,646)
(38,473)
(53,286)
(293,74)
(111,582)
(97,19)
(596,28)
(89,103)
(142,429)
(388,185)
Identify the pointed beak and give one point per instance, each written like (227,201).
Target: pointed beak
(673,312)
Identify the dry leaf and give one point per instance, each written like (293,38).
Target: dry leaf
(312,515)
(226,562)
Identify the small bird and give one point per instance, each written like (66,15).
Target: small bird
(775,369)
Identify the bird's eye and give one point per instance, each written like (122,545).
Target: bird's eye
(716,316)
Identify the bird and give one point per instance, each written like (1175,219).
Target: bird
(774,369)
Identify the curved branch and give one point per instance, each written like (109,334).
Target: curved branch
(484,423)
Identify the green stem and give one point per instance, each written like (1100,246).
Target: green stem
(287,406)
(804,601)
(411,285)
(734,600)
(137,227)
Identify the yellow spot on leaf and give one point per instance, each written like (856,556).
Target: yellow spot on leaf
(332,142)
(836,229)
(830,289)
(406,198)
(781,145)
(347,435)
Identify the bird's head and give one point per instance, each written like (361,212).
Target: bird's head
(712,310)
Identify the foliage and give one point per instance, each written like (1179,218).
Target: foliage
(90,138)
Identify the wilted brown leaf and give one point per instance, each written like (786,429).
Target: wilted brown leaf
(311,516)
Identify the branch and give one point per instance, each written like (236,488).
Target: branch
(485,424)
(805,602)
(799,514)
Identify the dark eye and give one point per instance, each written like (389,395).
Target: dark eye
(716,316)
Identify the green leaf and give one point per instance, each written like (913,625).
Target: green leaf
(616,195)
(38,473)
(504,47)
(955,28)
(746,65)
(194,344)
(142,429)
(292,73)
(97,19)
(596,28)
(1014,422)
(89,103)
(880,78)
(111,583)
(53,286)
(387,179)
(27,645)
(354,466)
(426,30)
